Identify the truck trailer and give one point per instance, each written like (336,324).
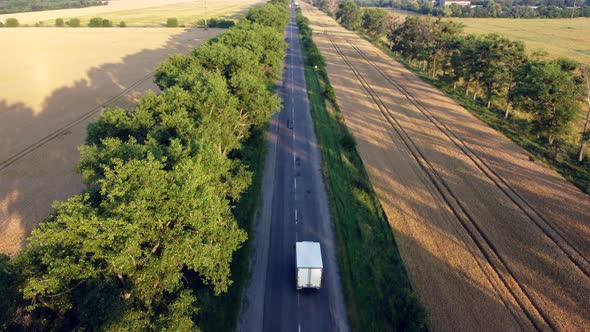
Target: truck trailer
(309,265)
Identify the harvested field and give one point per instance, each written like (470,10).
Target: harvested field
(53,83)
(491,240)
(142,12)
(558,37)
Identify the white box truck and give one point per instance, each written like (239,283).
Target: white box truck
(309,265)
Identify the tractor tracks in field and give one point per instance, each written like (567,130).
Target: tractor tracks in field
(553,233)
(497,266)
(64,129)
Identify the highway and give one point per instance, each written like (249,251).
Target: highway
(294,207)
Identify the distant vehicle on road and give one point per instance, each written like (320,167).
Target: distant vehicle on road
(309,265)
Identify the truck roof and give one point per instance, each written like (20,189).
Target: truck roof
(309,254)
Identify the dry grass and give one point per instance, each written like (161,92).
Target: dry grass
(142,12)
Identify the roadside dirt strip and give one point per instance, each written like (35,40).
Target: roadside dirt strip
(491,240)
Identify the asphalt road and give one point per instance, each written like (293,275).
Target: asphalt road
(294,208)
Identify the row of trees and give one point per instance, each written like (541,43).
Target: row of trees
(493,70)
(18,6)
(373,21)
(499,69)
(492,8)
(98,22)
(156,220)
(95,22)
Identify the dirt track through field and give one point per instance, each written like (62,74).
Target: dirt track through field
(43,119)
(491,240)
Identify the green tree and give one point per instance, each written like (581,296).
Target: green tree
(374,21)
(59,22)
(428,40)
(107,23)
(9,301)
(455,10)
(426,7)
(148,226)
(74,22)
(329,6)
(465,63)
(349,14)
(492,9)
(514,57)
(405,38)
(585,82)
(122,24)
(548,93)
(172,22)
(497,59)
(442,43)
(272,15)
(11,22)
(95,22)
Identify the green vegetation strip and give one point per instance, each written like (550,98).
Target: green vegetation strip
(378,292)
(220,313)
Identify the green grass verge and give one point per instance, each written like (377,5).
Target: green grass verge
(517,130)
(220,313)
(378,293)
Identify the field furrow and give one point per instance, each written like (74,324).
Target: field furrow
(487,235)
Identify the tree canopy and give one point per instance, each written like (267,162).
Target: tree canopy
(375,21)
(547,92)
(349,14)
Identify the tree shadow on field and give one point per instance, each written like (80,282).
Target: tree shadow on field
(39,149)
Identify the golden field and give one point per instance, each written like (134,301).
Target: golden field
(142,12)
(559,37)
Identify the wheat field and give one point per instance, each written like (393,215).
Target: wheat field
(142,12)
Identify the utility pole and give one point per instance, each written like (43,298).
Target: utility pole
(573,10)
